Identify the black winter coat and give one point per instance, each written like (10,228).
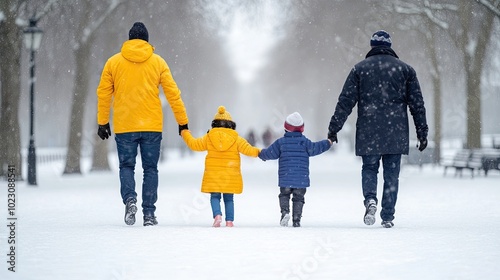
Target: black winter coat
(383,87)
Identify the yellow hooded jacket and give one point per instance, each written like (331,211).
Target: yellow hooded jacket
(222,163)
(130,80)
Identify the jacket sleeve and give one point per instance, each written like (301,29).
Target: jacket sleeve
(272,152)
(347,100)
(172,93)
(416,105)
(105,92)
(245,148)
(195,144)
(316,148)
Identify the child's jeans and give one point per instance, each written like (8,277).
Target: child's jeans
(228,205)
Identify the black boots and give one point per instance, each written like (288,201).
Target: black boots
(298,203)
(150,221)
(130,210)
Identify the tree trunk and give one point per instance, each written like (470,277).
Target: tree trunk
(100,155)
(85,35)
(436,84)
(473,110)
(10,70)
(474,54)
(80,91)
(100,149)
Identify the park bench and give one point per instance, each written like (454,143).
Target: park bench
(474,160)
(464,159)
(490,160)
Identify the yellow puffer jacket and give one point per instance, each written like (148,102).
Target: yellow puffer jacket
(131,79)
(222,163)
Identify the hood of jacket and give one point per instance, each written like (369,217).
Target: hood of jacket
(137,50)
(222,138)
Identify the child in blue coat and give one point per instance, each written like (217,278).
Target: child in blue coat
(293,151)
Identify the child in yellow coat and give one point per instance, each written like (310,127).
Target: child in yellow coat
(222,176)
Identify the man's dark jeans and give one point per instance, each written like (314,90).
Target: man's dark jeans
(149,143)
(391,166)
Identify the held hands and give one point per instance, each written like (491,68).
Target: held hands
(182,127)
(332,137)
(423,144)
(104,131)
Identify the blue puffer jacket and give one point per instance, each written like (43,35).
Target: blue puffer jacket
(293,151)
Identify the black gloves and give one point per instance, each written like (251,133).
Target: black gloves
(332,137)
(104,131)
(423,144)
(182,127)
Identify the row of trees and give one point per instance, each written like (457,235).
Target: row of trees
(323,37)
(448,32)
(83,34)
(469,24)
(18,11)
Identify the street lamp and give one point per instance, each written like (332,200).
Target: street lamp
(32,39)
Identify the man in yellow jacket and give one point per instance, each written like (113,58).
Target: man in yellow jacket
(130,83)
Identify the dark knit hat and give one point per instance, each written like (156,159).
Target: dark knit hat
(381,38)
(138,31)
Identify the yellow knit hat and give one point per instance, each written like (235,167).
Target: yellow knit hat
(222,114)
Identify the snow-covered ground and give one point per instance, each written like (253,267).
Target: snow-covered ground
(71,227)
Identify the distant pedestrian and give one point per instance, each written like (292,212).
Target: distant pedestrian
(383,87)
(130,83)
(222,176)
(267,137)
(251,137)
(293,151)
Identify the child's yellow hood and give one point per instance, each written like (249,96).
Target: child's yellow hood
(222,138)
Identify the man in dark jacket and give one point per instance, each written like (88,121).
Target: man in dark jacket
(383,87)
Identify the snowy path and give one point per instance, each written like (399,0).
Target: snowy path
(72,228)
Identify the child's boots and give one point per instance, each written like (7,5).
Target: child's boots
(285,217)
(297,213)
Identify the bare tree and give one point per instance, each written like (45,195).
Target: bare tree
(427,23)
(13,18)
(90,18)
(472,23)
(324,39)
(474,33)
(10,70)
(430,39)
(100,149)
(492,5)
